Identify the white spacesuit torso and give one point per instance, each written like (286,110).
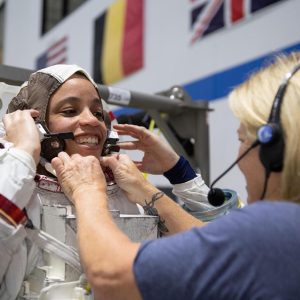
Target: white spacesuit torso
(42,263)
(54,214)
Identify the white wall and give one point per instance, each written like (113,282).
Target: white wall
(167,39)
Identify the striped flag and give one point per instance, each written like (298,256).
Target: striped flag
(209,16)
(118,41)
(55,54)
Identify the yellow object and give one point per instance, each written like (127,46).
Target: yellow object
(240,203)
(114,27)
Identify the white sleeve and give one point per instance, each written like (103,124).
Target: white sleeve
(17,168)
(13,260)
(193,193)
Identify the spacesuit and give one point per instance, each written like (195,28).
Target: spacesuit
(38,256)
(39,259)
(26,268)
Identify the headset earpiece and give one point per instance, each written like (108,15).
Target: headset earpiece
(270,135)
(52,143)
(271,152)
(51,146)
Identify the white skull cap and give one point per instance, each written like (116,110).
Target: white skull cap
(64,72)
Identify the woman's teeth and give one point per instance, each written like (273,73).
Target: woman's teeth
(87,140)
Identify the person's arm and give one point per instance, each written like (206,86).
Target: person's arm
(19,151)
(106,253)
(18,163)
(188,186)
(141,191)
(160,158)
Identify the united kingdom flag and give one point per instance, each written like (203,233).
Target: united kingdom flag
(210,16)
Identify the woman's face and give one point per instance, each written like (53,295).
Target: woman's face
(76,107)
(251,167)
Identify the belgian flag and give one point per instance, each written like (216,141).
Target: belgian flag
(118,41)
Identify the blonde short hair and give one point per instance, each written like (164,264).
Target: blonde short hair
(251,103)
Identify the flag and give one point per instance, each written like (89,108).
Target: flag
(55,54)
(210,16)
(118,41)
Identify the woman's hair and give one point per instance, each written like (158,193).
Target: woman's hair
(251,103)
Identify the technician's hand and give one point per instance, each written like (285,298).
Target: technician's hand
(79,175)
(128,177)
(158,157)
(22,132)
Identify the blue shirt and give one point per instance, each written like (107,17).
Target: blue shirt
(252,253)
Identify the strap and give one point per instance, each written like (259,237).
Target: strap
(53,246)
(48,184)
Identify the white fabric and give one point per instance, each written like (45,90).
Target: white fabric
(17,169)
(54,246)
(194,194)
(64,72)
(19,257)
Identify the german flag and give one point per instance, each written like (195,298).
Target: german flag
(118,41)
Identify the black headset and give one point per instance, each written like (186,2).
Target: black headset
(270,137)
(52,143)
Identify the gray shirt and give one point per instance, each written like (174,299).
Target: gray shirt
(252,253)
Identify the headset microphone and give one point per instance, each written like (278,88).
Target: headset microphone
(216,196)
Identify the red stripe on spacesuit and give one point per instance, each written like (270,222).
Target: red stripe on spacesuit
(11,211)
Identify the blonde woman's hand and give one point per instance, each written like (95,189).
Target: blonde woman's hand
(79,175)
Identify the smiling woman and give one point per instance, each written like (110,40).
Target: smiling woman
(76,107)
(67,100)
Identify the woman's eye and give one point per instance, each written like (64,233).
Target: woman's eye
(69,112)
(99,115)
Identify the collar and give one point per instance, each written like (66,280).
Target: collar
(47,183)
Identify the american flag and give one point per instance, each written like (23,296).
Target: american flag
(55,54)
(211,15)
